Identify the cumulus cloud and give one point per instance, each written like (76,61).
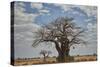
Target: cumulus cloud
(44,11)
(63,7)
(37,5)
(24,25)
(91,38)
(40,8)
(21,17)
(77,13)
(92,27)
(89,10)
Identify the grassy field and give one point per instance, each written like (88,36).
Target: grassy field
(50,60)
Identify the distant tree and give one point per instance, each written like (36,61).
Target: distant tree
(25,58)
(18,58)
(94,54)
(78,55)
(48,53)
(63,33)
(45,54)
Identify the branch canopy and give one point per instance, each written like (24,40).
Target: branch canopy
(62,32)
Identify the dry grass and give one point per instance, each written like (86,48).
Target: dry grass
(85,58)
(53,60)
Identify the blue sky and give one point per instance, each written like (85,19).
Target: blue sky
(30,16)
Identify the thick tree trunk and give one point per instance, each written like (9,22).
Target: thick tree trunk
(62,51)
(67,52)
(62,57)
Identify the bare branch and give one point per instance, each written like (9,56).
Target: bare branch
(62,32)
(76,40)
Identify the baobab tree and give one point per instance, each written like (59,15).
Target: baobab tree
(45,54)
(63,33)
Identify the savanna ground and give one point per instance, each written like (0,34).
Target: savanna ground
(50,60)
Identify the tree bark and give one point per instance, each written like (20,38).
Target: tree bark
(63,54)
(67,52)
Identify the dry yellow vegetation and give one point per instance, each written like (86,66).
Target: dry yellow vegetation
(50,60)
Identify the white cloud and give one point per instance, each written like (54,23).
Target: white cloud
(89,10)
(77,13)
(88,20)
(23,26)
(21,17)
(92,27)
(64,7)
(37,5)
(40,8)
(44,11)
(92,34)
